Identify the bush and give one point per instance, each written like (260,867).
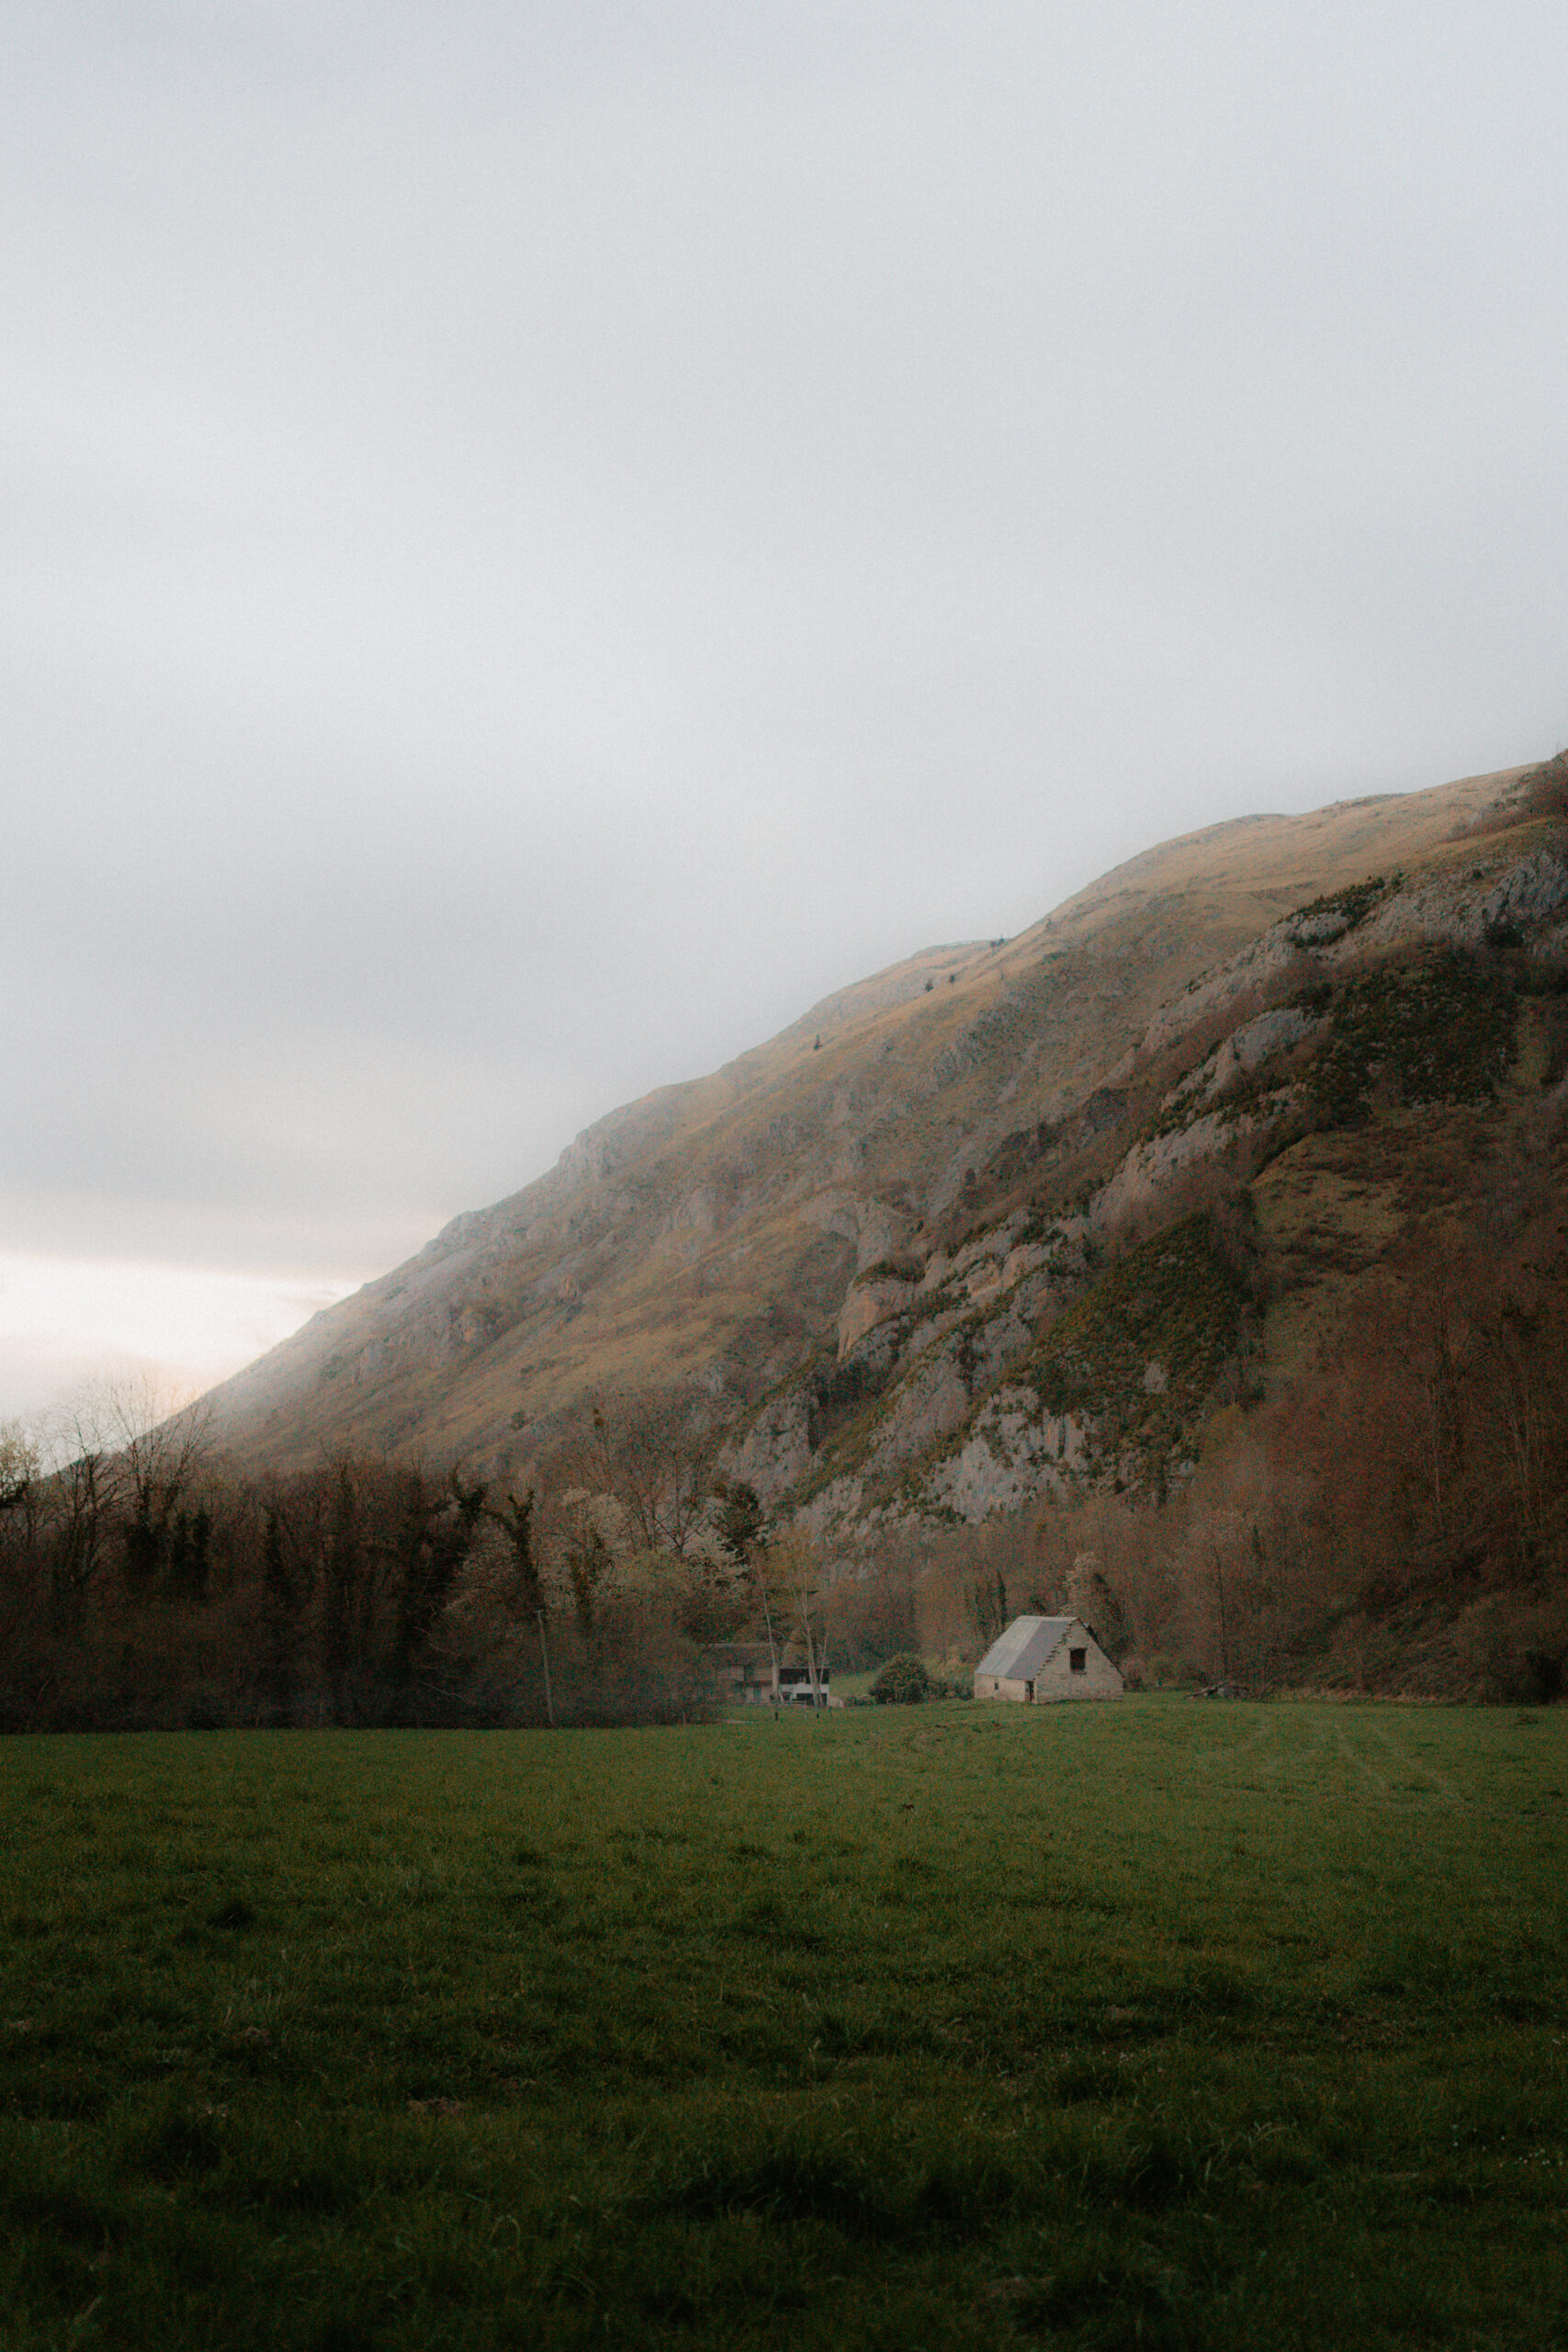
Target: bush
(902,1681)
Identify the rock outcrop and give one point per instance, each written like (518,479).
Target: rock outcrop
(857,1259)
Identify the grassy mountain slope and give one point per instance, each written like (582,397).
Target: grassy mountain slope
(978,1134)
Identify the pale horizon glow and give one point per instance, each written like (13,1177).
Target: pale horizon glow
(65,1322)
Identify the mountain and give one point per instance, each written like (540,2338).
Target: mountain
(957,1238)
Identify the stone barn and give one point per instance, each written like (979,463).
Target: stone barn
(1042,1659)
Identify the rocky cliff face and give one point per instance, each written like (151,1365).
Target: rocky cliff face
(871,1264)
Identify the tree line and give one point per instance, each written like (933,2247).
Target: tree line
(145,1582)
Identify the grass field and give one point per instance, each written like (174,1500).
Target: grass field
(1159,2024)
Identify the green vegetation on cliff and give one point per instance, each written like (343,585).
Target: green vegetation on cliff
(1437,1030)
(1150,1340)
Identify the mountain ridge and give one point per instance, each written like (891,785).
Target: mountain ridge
(711,1237)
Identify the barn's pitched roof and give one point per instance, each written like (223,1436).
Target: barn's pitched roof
(1019,1653)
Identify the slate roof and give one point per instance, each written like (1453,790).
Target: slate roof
(1018,1654)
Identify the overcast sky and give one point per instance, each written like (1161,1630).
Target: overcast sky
(538,538)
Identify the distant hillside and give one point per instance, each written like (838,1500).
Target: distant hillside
(1195,1263)
(970,1118)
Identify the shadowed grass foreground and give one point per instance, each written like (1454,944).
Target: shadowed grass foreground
(1158,2024)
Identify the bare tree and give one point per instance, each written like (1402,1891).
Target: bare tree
(792,1592)
(645,1452)
(514,1518)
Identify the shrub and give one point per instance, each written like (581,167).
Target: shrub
(1354,904)
(902,1681)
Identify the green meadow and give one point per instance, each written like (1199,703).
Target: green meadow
(1160,2024)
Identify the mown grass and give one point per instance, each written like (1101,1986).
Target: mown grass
(1155,2024)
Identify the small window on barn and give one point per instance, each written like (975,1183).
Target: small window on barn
(1077,1660)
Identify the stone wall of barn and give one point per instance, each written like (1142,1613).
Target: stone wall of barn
(1057,1679)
